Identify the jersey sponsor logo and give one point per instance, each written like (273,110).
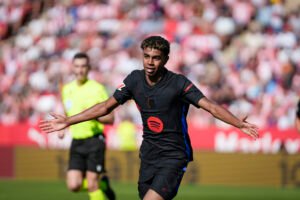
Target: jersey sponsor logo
(188,87)
(155,124)
(120,87)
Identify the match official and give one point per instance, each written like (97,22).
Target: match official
(87,153)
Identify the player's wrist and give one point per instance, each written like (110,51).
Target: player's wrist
(240,124)
(68,121)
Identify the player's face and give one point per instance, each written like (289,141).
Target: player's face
(81,69)
(153,61)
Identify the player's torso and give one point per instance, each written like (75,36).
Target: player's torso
(163,115)
(160,105)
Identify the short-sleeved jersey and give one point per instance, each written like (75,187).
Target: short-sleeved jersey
(77,98)
(163,109)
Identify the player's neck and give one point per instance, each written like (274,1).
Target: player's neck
(153,81)
(81,82)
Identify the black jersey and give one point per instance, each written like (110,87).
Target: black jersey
(163,109)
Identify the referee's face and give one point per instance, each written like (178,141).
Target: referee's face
(81,69)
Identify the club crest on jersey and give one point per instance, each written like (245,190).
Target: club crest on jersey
(155,124)
(120,87)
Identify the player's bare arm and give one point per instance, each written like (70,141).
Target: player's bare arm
(60,122)
(221,113)
(107,119)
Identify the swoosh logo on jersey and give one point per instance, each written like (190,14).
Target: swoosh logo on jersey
(155,124)
(120,87)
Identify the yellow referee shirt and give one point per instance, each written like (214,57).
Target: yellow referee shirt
(77,98)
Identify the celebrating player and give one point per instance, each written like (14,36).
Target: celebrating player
(163,99)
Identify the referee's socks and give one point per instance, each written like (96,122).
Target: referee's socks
(105,187)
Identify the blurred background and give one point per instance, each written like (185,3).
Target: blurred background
(243,54)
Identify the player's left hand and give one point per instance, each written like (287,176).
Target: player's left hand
(249,129)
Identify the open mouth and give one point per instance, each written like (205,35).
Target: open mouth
(150,70)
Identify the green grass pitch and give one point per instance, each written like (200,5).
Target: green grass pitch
(54,190)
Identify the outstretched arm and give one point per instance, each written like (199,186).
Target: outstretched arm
(60,122)
(221,113)
(107,119)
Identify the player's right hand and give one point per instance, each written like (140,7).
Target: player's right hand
(58,123)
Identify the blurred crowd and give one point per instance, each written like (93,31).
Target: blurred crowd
(243,54)
(17,13)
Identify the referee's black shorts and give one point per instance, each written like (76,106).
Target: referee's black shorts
(88,154)
(163,180)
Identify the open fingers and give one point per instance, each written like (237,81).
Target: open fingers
(47,129)
(46,126)
(253,133)
(56,116)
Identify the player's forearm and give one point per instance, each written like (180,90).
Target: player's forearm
(107,119)
(93,112)
(221,113)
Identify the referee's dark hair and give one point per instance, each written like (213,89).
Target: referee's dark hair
(81,55)
(157,42)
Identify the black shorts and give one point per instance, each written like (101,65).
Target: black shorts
(88,154)
(163,180)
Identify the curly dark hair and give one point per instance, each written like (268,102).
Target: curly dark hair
(157,42)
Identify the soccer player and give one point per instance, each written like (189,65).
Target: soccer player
(163,99)
(87,152)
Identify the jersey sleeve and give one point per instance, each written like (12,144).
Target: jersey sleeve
(189,92)
(101,94)
(123,92)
